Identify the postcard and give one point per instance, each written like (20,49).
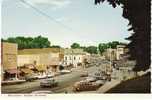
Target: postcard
(75,47)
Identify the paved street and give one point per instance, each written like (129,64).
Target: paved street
(65,83)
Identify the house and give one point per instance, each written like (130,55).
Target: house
(43,60)
(110,54)
(120,51)
(115,54)
(9,60)
(74,57)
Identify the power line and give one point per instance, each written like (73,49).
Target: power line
(47,16)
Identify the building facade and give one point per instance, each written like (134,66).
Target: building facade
(115,54)
(74,57)
(44,60)
(9,60)
(110,54)
(120,51)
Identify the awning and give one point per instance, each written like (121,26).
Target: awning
(31,66)
(27,71)
(13,71)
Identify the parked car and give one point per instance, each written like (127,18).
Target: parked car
(42,92)
(65,71)
(50,75)
(30,78)
(49,83)
(41,76)
(13,79)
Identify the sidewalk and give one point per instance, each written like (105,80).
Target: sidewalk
(12,82)
(107,86)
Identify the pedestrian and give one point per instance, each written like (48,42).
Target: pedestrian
(66,92)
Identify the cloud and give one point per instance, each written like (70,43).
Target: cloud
(53,3)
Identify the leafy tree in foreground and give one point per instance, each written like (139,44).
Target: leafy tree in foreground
(138,14)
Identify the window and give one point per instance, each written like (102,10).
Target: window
(65,58)
(74,58)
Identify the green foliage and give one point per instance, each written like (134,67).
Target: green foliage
(55,46)
(91,49)
(138,14)
(94,50)
(75,45)
(103,46)
(29,42)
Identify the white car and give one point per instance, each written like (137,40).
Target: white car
(41,76)
(65,71)
(50,75)
(51,82)
(90,79)
(42,92)
(100,82)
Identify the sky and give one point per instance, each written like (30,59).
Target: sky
(70,21)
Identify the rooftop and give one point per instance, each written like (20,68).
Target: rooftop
(74,51)
(39,51)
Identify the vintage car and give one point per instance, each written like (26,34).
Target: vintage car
(102,76)
(85,86)
(90,79)
(84,74)
(30,78)
(65,71)
(100,82)
(49,83)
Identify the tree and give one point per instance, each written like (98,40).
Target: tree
(102,47)
(91,49)
(55,46)
(29,42)
(40,42)
(138,14)
(75,45)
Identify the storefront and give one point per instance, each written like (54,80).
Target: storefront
(11,74)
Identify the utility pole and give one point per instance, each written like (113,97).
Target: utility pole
(72,57)
(110,57)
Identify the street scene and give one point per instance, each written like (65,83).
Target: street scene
(75,47)
(70,71)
